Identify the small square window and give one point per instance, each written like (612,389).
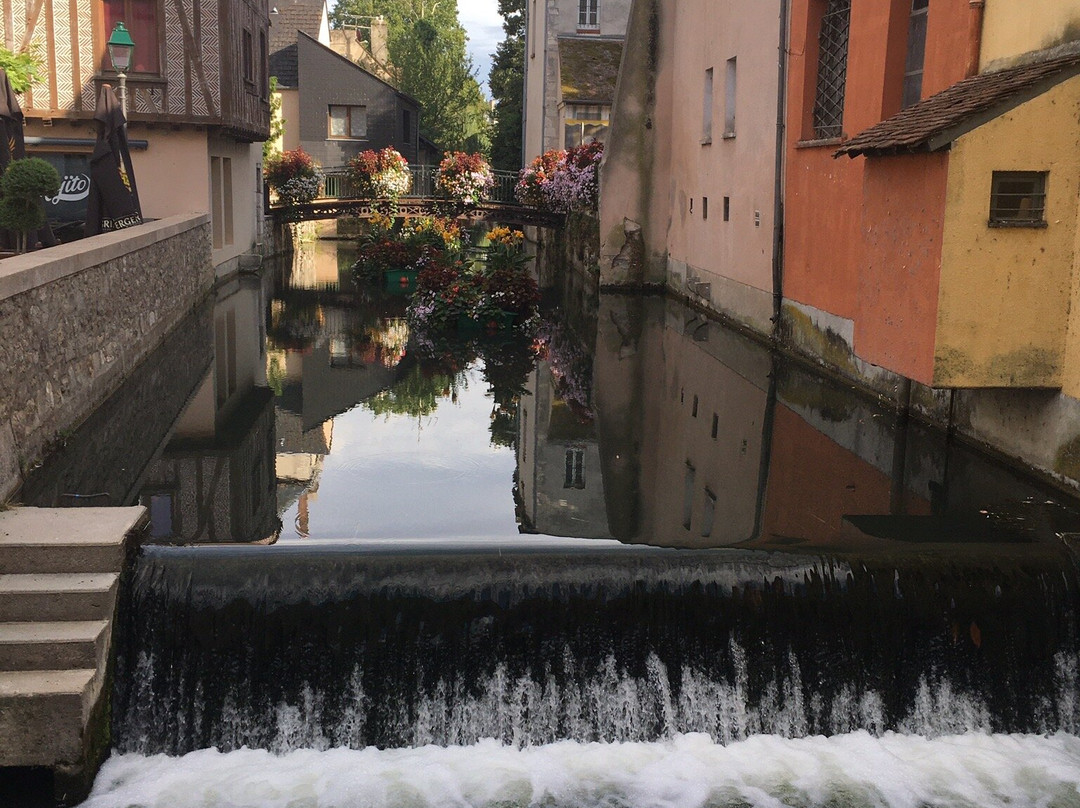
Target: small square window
(1018,199)
(347,122)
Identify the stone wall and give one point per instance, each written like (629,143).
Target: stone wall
(76,319)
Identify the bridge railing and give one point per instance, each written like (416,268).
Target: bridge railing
(336,184)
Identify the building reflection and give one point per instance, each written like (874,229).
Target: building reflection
(214,481)
(325,355)
(709,440)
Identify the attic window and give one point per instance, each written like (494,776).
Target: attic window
(1018,199)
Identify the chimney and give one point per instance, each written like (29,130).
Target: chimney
(379,50)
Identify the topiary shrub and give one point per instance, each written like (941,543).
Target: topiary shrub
(24,186)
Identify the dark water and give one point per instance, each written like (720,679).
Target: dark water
(627,525)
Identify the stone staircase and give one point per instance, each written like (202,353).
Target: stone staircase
(59,575)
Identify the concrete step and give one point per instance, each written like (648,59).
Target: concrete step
(37,540)
(53,646)
(43,715)
(57,597)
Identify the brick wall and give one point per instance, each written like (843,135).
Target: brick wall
(76,319)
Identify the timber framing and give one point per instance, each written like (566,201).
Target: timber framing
(208,77)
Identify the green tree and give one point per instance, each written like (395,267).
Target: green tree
(429,62)
(24,185)
(507,82)
(22,68)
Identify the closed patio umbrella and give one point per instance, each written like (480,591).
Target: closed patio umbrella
(114,199)
(11,123)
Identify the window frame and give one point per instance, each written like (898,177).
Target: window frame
(588,9)
(998,217)
(348,122)
(247,57)
(913,74)
(830,87)
(156,47)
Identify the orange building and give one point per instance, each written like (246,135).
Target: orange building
(851,67)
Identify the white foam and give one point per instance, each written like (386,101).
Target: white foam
(687,771)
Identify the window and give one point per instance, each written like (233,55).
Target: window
(706,112)
(221,202)
(585,123)
(715,425)
(832,70)
(264,81)
(575,469)
(249,57)
(1018,199)
(588,14)
(727,208)
(704,208)
(916,52)
(693,410)
(406,126)
(348,122)
(140,18)
(729,100)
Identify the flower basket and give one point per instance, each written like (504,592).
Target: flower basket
(380,174)
(293,176)
(463,178)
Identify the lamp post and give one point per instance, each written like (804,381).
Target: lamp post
(121,47)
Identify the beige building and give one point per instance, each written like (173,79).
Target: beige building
(197,98)
(692,162)
(572,54)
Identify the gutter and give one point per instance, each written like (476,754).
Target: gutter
(778,187)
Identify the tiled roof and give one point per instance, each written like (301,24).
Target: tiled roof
(935,122)
(292,16)
(588,68)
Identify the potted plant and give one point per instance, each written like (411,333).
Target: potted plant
(293,176)
(24,186)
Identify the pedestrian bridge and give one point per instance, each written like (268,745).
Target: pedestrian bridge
(337,201)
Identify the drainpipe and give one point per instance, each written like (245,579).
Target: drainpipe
(975,21)
(778,187)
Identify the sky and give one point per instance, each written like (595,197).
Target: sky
(481,21)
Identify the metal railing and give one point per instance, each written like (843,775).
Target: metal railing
(336,184)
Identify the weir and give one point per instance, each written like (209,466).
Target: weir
(289,648)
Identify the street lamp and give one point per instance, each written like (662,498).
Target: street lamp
(121,47)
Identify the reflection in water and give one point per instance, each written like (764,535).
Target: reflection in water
(626,417)
(921,589)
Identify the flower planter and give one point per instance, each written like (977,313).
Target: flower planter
(496,322)
(400,281)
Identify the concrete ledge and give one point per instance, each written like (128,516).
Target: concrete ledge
(21,273)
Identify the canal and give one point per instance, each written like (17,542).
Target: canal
(629,558)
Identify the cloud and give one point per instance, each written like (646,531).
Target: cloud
(481,21)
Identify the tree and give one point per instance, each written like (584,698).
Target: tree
(24,185)
(22,68)
(429,62)
(507,82)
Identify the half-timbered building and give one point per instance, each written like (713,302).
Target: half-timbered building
(198,102)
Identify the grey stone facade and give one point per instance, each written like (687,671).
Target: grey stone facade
(76,319)
(327,78)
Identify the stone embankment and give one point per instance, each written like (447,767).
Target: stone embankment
(77,318)
(60,572)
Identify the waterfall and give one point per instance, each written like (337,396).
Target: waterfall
(284,650)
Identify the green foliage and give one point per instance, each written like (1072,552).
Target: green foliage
(22,68)
(24,185)
(430,63)
(30,178)
(277,122)
(417,394)
(507,83)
